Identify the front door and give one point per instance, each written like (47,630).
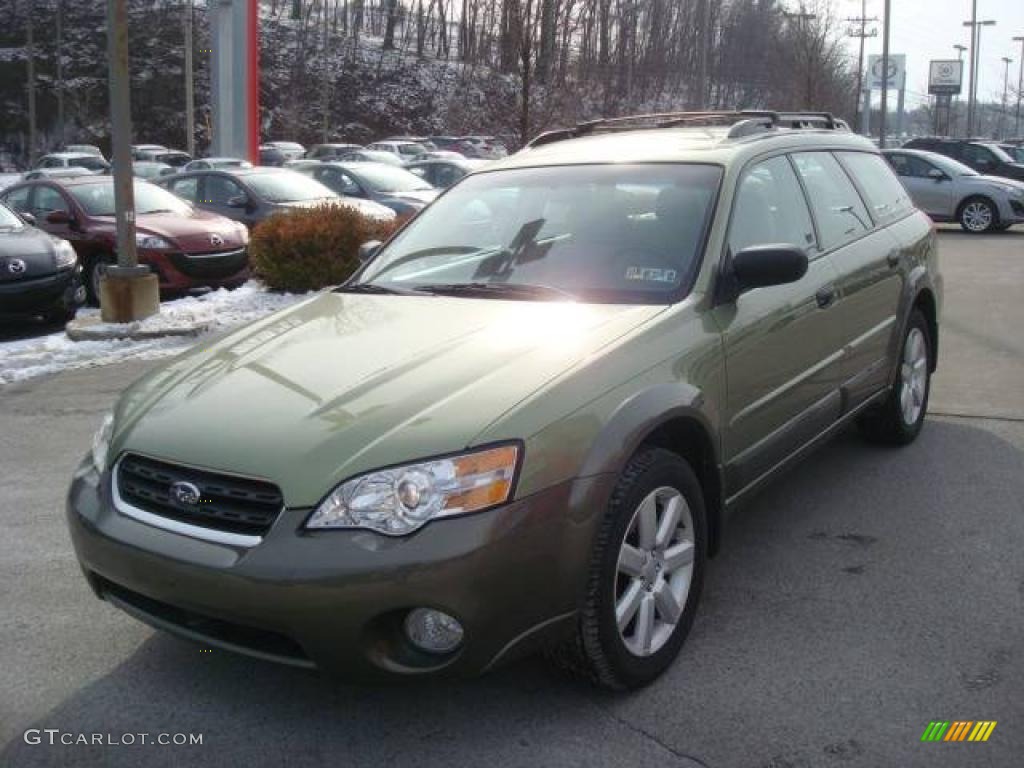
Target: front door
(932,194)
(783,344)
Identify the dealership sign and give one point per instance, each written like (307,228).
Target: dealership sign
(945,77)
(896,76)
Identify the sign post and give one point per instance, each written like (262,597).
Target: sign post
(945,80)
(885,80)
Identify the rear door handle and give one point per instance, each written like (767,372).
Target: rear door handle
(825,296)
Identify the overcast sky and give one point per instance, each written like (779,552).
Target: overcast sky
(928,29)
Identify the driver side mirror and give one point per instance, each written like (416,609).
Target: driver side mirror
(937,175)
(761,266)
(368,250)
(58,217)
(28,218)
(238,201)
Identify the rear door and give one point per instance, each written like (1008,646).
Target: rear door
(783,344)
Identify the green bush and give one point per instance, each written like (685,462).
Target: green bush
(311,248)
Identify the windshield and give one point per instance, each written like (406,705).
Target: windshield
(287,187)
(386,179)
(98,199)
(948,165)
(8,219)
(605,233)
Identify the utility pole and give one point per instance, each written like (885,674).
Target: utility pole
(972,91)
(30,64)
(960,50)
(327,81)
(127,291)
(1007,61)
(885,74)
(190,93)
(863,34)
(1020,86)
(801,18)
(60,74)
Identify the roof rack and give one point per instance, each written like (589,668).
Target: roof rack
(742,122)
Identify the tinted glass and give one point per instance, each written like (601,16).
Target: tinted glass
(92,163)
(909,166)
(885,195)
(219,190)
(186,188)
(385,179)
(975,155)
(18,199)
(338,180)
(8,219)
(612,233)
(48,199)
(98,199)
(770,208)
(835,202)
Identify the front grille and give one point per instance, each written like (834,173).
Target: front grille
(211,265)
(227,503)
(238,637)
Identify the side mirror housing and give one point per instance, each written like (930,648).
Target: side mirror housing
(28,218)
(58,217)
(368,250)
(238,201)
(936,174)
(761,266)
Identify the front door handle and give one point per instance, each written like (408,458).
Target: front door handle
(893,259)
(825,296)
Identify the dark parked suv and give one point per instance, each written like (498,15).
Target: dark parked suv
(985,157)
(525,421)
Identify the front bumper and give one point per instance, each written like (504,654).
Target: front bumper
(179,271)
(335,600)
(61,290)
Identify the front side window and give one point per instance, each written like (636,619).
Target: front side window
(909,166)
(220,190)
(979,156)
(605,233)
(886,196)
(835,202)
(49,199)
(770,209)
(186,188)
(89,163)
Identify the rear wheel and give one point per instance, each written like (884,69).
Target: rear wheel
(978,215)
(645,578)
(899,420)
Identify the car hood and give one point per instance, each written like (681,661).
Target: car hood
(999,181)
(367,207)
(190,231)
(345,383)
(32,247)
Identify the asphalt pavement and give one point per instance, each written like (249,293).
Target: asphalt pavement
(860,597)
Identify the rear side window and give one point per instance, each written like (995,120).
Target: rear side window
(770,208)
(837,207)
(186,188)
(884,192)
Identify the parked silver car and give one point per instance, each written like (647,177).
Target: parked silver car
(950,191)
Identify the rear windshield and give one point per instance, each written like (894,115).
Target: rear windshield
(605,233)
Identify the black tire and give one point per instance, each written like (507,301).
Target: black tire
(60,314)
(597,652)
(888,422)
(90,277)
(978,215)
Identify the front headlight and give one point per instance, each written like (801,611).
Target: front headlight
(399,500)
(151,242)
(101,443)
(65,254)
(243,233)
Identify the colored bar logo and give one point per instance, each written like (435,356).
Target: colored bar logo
(958,730)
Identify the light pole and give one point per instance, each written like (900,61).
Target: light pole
(885,74)
(190,93)
(1020,86)
(1007,61)
(961,50)
(972,95)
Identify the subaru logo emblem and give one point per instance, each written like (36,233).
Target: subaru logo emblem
(16,267)
(185,493)
(216,240)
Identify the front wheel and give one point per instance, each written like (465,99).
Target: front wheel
(898,421)
(93,272)
(646,575)
(979,215)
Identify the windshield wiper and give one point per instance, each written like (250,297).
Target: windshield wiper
(522,291)
(376,288)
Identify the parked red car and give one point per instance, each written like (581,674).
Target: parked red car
(186,247)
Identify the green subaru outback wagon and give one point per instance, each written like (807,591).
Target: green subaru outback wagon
(524,422)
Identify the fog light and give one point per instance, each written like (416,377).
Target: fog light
(433,631)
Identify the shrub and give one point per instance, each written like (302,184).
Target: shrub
(311,248)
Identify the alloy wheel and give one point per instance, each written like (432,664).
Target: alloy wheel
(913,376)
(655,571)
(977,216)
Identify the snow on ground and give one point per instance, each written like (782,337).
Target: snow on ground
(222,309)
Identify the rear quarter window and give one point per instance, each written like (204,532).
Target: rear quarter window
(885,195)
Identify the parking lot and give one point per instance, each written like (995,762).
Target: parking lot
(857,599)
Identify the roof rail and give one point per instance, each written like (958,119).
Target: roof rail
(743,123)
